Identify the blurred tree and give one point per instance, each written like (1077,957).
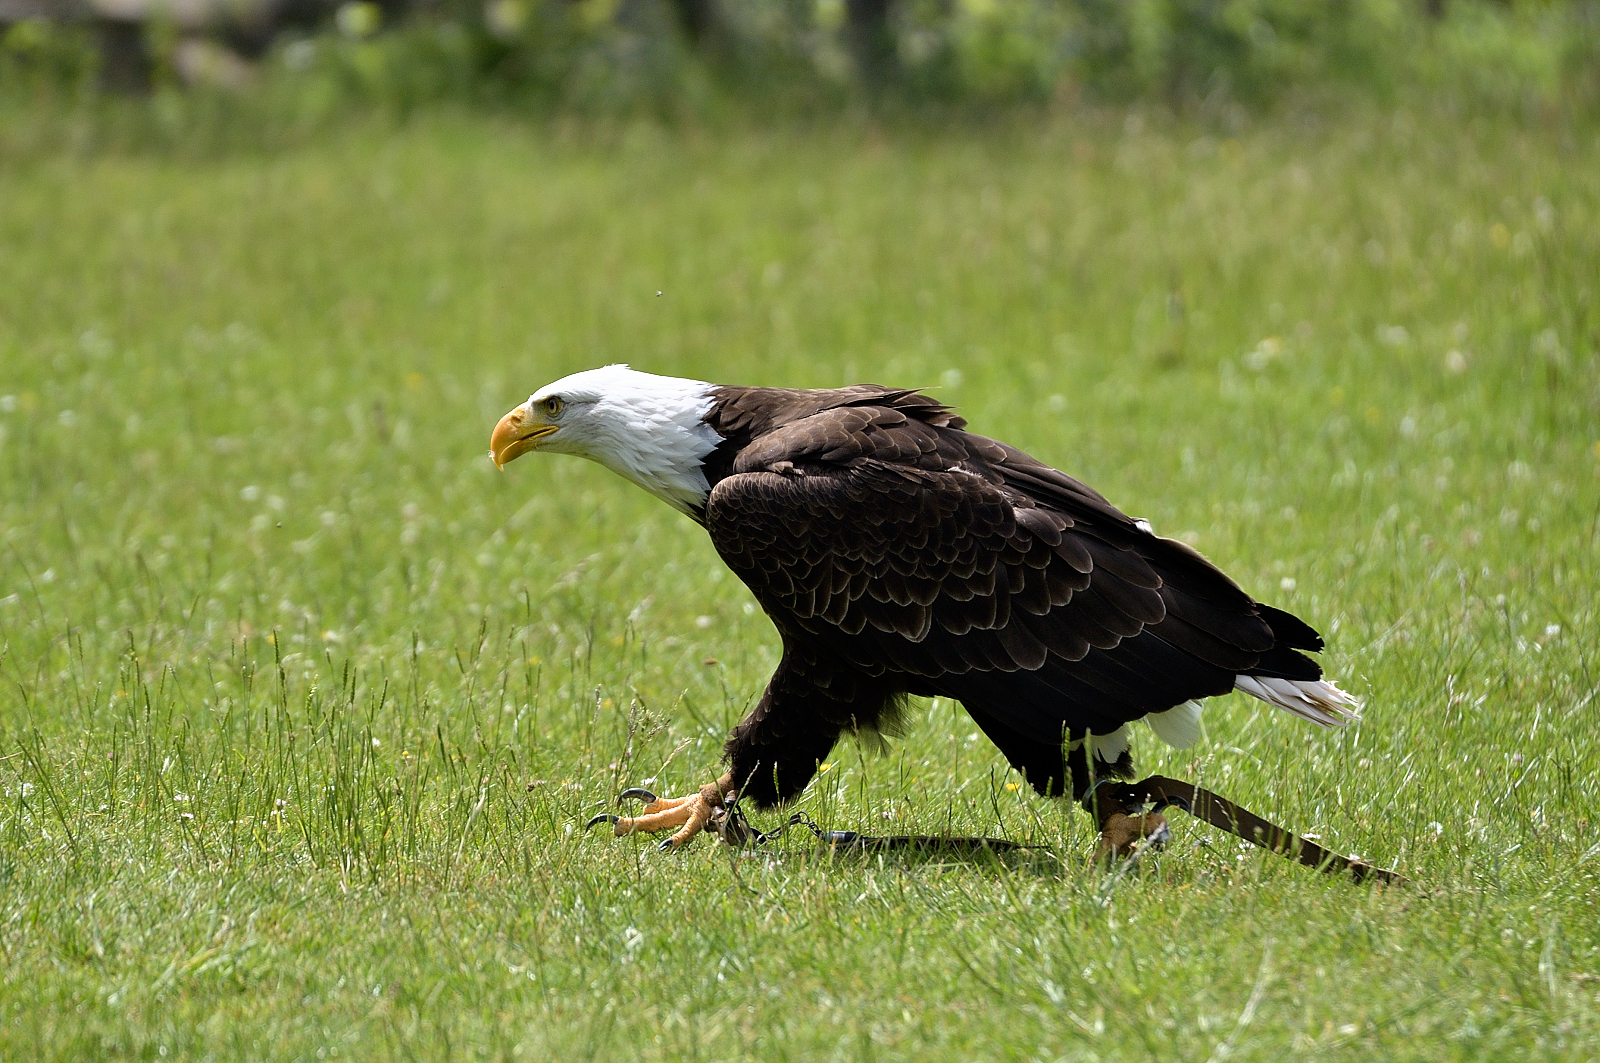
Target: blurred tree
(701,20)
(870,40)
(125,63)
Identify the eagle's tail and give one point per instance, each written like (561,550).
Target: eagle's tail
(1316,700)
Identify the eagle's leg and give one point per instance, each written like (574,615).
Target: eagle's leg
(772,754)
(1125,830)
(690,813)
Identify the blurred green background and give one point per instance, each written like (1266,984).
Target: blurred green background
(704,58)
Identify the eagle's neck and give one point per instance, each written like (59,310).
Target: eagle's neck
(655,434)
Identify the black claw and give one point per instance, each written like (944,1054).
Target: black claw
(638,793)
(666,846)
(604,817)
(1153,842)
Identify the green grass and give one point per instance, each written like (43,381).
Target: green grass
(301,702)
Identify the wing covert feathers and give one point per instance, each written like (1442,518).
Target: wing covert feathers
(873,528)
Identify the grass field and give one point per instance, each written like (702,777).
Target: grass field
(302,702)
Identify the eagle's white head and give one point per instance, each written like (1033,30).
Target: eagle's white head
(649,429)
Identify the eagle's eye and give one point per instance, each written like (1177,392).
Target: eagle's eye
(552,406)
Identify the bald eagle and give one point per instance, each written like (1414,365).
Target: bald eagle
(900,555)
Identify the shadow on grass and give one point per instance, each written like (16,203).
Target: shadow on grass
(847,849)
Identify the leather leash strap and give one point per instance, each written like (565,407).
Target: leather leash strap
(1154,793)
(1160,792)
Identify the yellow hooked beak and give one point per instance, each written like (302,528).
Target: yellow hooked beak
(514,436)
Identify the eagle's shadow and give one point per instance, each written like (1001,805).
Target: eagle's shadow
(849,850)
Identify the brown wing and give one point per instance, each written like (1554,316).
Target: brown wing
(968,568)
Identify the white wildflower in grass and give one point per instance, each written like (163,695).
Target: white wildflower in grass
(1394,335)
(1263,354)
(1548,344)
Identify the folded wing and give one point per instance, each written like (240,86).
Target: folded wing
(905,545)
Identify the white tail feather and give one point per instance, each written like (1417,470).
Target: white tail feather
(1316,700)
(1110,748)
(1178,727)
